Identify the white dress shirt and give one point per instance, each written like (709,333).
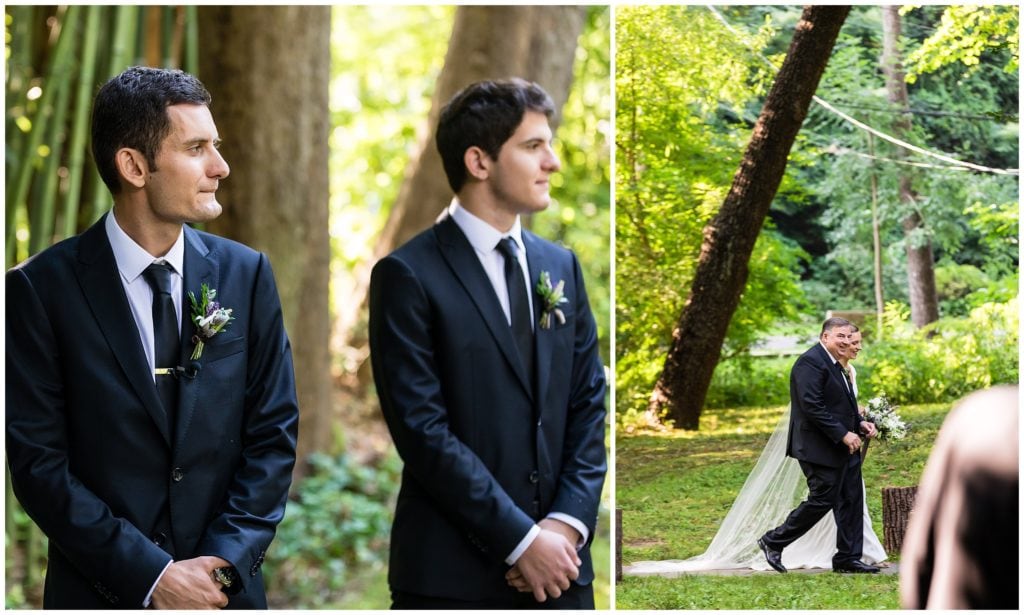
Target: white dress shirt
(485,238)
(132,259)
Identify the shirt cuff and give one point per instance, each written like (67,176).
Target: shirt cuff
(149,596)
(575,524)
(523,545)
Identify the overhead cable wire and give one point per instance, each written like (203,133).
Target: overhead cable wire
(859,124)
(909,163)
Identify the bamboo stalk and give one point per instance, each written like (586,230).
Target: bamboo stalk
(141,27)
(43,206)
(191,64)
(167,36)
(18,189)
(80,122)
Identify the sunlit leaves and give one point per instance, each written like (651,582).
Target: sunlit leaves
(964,35)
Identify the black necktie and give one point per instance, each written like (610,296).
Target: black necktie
(518,303)
(166,336)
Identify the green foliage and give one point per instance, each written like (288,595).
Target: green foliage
(945,360)
(676,487)
(965,33)
(336,526)
(682,124)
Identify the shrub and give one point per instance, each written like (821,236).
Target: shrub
(945,360)
(338,522)
(750,381)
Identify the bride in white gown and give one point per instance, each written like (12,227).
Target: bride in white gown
(774,487)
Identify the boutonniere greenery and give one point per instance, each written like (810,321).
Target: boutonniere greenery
(208,317)
(552,296)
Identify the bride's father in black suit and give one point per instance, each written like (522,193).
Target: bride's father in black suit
(492,389)
(158,469)
(825,437)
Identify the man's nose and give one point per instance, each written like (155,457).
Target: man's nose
(218,166)
(551,163)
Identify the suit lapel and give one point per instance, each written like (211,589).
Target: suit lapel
(543,337)
(101,283)
(459,254)
(199,269)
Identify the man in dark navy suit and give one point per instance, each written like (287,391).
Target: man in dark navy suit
(493,390)
(823,436)
(158,469)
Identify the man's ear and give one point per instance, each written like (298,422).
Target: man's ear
(131,166)
(478,163)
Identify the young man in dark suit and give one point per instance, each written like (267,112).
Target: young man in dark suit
(493,390)
(157,468)
(825,428)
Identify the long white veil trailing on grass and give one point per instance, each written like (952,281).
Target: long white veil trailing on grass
(774,488)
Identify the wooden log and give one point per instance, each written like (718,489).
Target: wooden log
(897,503)
(618,545)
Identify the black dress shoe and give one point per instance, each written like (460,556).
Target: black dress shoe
(854,567)
(773,557)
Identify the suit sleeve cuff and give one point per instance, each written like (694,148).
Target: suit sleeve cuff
(149,596)
(575,524)
(523,545)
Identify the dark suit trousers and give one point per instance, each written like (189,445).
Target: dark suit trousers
(830,489)
(576,598)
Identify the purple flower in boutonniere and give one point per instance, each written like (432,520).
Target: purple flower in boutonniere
(208,317)
(552,296)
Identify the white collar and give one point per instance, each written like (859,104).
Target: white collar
(132,259)
(482,236)
(834,360)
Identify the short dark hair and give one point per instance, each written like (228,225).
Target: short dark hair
(834,322)
(130,110)
(485,114)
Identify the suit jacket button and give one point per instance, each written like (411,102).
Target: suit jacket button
(159,538)
(535,477)
(177,474)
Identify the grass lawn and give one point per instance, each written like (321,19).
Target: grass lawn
(674,489)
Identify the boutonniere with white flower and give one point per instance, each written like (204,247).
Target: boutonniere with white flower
(208,317)
(552,296)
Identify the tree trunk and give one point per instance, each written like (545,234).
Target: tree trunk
(730,236)
(897,504)
(924,300)
(537,43)
(270,102)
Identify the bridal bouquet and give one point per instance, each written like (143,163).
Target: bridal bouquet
(883,415)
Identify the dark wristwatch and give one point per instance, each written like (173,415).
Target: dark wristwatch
(227,576)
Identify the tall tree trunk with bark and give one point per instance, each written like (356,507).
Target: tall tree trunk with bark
(537,43)
(270,102)
(729,238)
(924,299)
